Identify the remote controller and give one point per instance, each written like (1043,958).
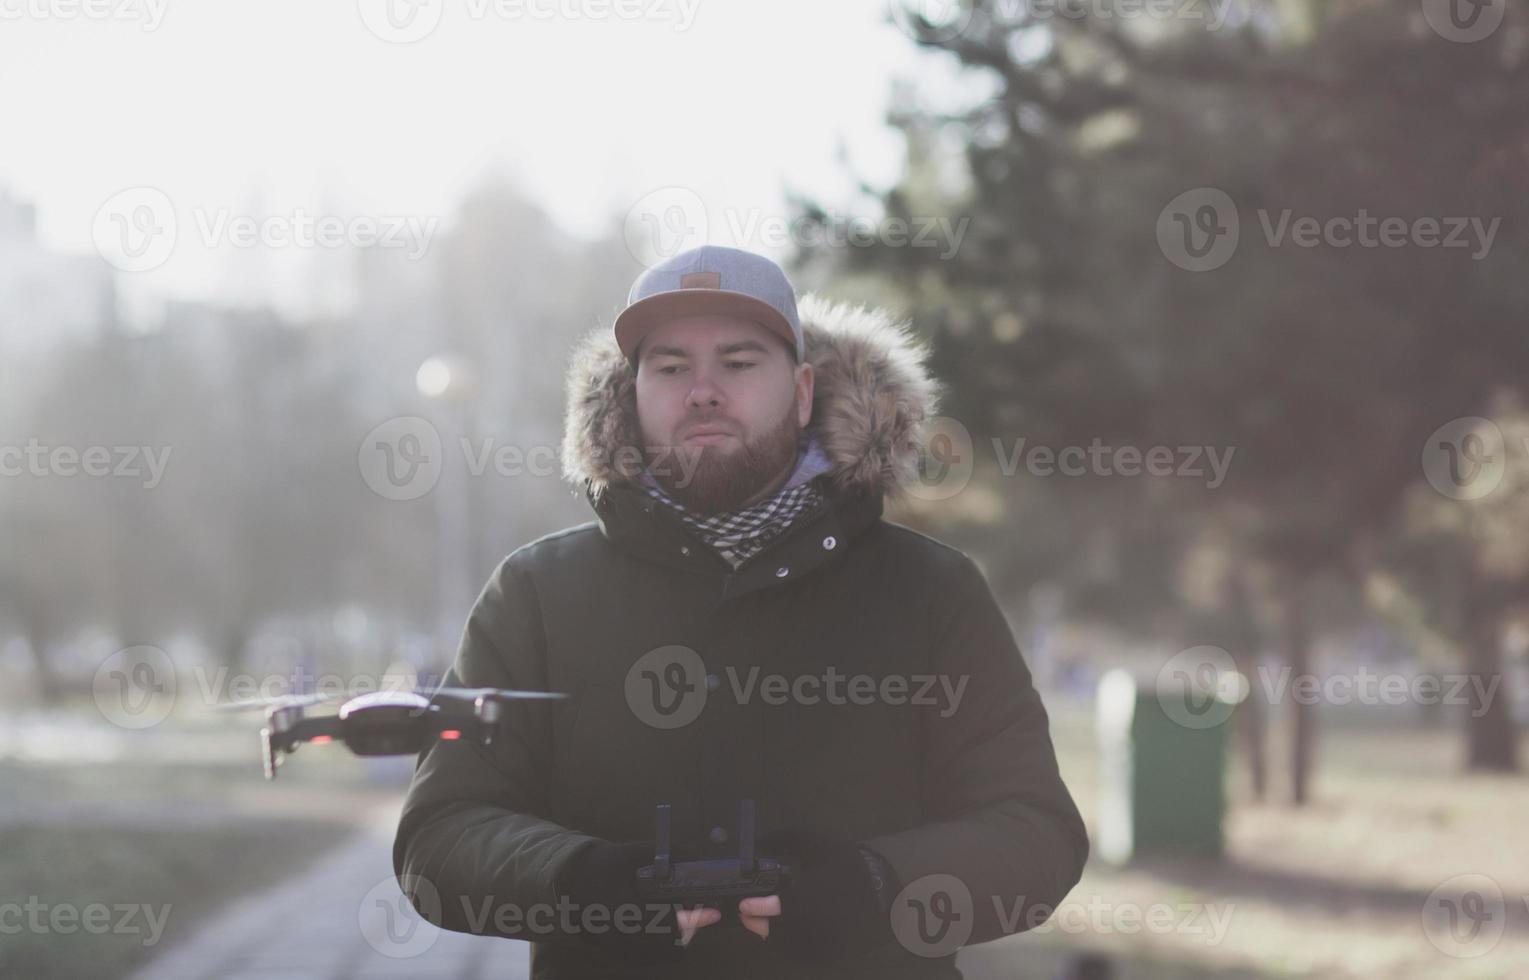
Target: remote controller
(713,883)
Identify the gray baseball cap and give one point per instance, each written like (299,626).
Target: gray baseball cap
(711,279)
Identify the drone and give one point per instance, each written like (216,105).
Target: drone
(383,722)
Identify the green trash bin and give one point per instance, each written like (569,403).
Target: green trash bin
(1163,769)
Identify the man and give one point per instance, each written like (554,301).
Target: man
(741,624)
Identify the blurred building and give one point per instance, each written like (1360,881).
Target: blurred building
(47,297)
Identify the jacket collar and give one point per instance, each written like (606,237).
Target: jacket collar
(871,392)
(638,524)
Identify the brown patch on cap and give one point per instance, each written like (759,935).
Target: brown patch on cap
(701,280)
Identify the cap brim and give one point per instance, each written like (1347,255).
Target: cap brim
(639,319)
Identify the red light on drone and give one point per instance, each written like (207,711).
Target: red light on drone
(321,740)
(450,734)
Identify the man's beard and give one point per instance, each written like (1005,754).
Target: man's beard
(709,480)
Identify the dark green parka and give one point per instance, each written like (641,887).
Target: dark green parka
(855,677)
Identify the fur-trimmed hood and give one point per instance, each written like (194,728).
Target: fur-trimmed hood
(871,393)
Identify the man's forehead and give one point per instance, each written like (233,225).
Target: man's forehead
(692,334)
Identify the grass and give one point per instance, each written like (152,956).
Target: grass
(150,886)
(176,839)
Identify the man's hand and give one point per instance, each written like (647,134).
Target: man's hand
(756,913)
(834,903)
(691,920)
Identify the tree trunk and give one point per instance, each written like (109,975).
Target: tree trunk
(1491,741)
(1298,643)
(1246,639)
(1251,729)
(48,691)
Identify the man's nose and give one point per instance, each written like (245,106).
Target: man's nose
(704,391)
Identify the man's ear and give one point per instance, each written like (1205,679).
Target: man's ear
(804,387)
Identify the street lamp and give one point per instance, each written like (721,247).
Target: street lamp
(445,380)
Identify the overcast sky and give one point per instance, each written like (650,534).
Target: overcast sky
(315,106)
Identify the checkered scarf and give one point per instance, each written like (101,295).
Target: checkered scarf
(738,535)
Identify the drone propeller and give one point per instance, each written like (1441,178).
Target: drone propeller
(463,693)
(284,701)
(496,694)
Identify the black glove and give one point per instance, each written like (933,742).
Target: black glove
(837,899)
(604,876)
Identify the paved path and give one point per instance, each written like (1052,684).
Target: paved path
(343,918)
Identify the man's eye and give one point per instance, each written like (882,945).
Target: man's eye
(669,370)
(740,364)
